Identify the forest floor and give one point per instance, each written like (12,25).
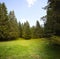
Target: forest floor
(29,49)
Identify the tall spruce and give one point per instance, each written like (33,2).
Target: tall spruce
(3,22)
(13,25)
(52,26)
(20,30)
(50,23)
(26,30)
(38,30)
(33,32)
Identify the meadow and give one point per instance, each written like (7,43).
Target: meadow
(29,49)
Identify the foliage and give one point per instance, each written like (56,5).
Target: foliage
(26,30)
(11,29)
(38,30)
(52,25)
(13,26)
(3,22)
(33,32)
(20,30)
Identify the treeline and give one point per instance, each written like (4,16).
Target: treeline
(52,19)
(11,29)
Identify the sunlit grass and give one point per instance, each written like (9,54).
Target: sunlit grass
(28,49)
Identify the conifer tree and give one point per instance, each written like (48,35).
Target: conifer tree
(20,30)
(52,26)
(26,30)
(14,28)
(3,22)
(38,30)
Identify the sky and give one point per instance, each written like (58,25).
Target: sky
(27,10)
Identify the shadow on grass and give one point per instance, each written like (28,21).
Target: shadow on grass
(52,51)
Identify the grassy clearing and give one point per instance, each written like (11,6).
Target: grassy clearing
(29,49)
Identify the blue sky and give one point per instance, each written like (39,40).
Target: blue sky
(27,10)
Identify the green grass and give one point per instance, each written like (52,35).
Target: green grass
(29,49)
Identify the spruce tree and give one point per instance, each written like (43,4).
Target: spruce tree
(33,32)
(3,22)
(20,30)
(13,25)
(26,30)
(52,26)
(38,30)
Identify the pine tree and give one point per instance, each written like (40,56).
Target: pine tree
(20,30)
(50,23)
(13,25)
(26,30)
(52,26)
(3,22)
(38,30)
(33,32)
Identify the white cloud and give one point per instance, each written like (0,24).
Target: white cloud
(31,2)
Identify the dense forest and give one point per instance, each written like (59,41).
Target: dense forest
(11,29)
(52,25)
